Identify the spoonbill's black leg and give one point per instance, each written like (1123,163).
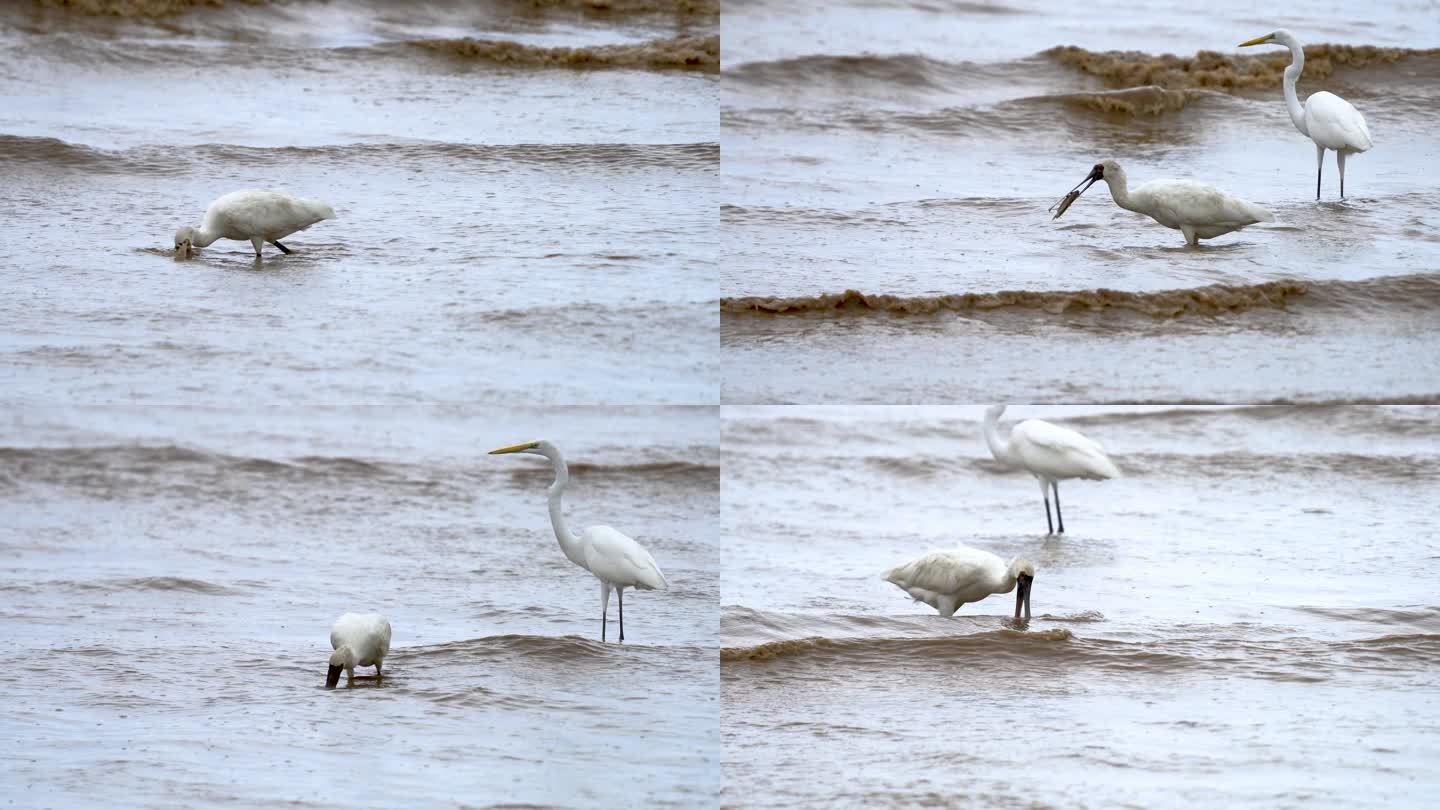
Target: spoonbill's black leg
(1058,514)
(1049,525)
(277,244)
(620,597)
(602,623)
(1319,164)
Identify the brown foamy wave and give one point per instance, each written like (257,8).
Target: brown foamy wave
(680,53)
(481,158)
(695,7)
(114,586)
(1134,101)
(135,8)
(1228,650)
(1210,300)
(861,71)
(669,471)
(1219,71)
(994,642)
(1395,470)
(122,470)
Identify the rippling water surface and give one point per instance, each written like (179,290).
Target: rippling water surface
(525,199)
(888,166)
(1243,620)
(168,594)
(204,462)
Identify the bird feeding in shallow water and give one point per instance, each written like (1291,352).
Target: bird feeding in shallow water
(1197,210)
(1048,452)
(359,641)
(1328,120)
(257,216)
(616,560)
(945,580)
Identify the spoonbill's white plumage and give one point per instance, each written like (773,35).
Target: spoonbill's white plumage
(1197,210)
(1325,118)
(256,216)
(1048,452)
(360,640)
(616,560)
(945,580)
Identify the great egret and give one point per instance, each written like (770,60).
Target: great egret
(259,216)
(1328,120)
(1197,210)
(1048,452)
(359,641)
(616,560)
(945,580)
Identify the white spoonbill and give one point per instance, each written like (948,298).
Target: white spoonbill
(945,580)
(359,641)
(616,560)
(1197,210)
(259,216)
(1328,120)
(1048,452)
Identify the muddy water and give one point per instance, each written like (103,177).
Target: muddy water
(168,593)
(1242,620)
(204,462)
(888,168)
(492,244)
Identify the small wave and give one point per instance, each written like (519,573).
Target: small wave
(1210,300)
(1222,649)
(172,8)
(1394,469)
(889,72)
(682,53)
(1219,71)
(993,643)
(183,160)
(111,586)
(1149,100)
(172,584)
(662,470)
(118,468)
(134,8)
(695,7)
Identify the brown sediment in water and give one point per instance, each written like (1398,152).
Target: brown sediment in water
(135,8)
(696,53)
(1218,71)
(1210,300)
(855,649)
(1148,100)
(697,7)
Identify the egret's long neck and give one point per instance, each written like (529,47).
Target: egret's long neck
(999,445)
(1292,75)
(1119,188)
(569,543)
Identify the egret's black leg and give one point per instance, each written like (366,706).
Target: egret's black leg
(1058,514)
(620,596)
(283,249)
(602,624)
(1049,525)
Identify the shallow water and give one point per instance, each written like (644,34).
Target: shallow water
(1242,620)
(203,462)
(169,591)
(911,150)
(511,232)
